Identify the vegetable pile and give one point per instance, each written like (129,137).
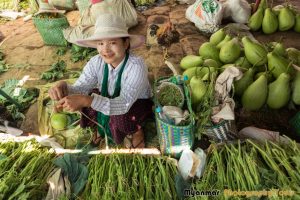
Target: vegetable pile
(24,168)
(248,166)
(269,77)
(270,20)
(130,177)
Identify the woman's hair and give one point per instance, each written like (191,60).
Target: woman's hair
(124,40)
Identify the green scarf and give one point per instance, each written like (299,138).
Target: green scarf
(102,118)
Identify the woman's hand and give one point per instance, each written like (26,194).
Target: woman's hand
(59,91)
(74,102)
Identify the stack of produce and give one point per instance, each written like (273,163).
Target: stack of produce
(270,20)
(200,73)
(250,166)
(131,176)
(269,77)
(26,165)
(24,168)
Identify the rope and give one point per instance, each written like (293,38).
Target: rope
(165,53)
(106,138)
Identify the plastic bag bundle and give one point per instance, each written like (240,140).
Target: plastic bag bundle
(206,14)
(238,10)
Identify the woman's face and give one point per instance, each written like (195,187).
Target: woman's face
(112,50)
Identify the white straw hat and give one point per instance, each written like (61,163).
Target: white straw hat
(110,26)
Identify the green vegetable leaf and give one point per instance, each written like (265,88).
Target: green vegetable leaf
(61,51)
(3,66)
(55,72)
(1,56)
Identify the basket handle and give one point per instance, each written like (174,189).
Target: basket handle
(171,67)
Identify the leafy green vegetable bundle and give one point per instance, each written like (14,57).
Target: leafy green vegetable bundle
(24,168)
(131,176)
(252,167)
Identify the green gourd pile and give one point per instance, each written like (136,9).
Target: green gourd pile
(269,20)
(268,73)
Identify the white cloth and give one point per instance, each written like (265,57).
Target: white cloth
(225,80)
(134,84)
(226,112)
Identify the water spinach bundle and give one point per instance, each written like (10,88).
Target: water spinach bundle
(249,166)
(24,168)
(120,176)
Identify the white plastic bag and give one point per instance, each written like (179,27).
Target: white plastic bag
(238,10)
(192,164)
(206,14)
(176,113)
(59,185)
(202,156)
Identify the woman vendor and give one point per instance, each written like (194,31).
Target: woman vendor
(113,89)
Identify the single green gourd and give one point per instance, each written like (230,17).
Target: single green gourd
(297,23)
(189,73)
(293,55)
(242,84)
(296,89)
(277,64)
(217,37)
(255,53)
(263,4)
(270,22)
(255,21)
(279,92)
(269,76)
(243,62)
(208,50)
(255,95)
(198,89)
(230,51)
(191,61)
(279,49)
(197,71)
(211,63)
(286,19)
(226,39)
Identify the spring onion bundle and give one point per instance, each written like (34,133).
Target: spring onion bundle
(24,168)
(120,176)
(252,167)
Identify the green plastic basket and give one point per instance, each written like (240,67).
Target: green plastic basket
(51,29)
(295,122)
(174,139)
